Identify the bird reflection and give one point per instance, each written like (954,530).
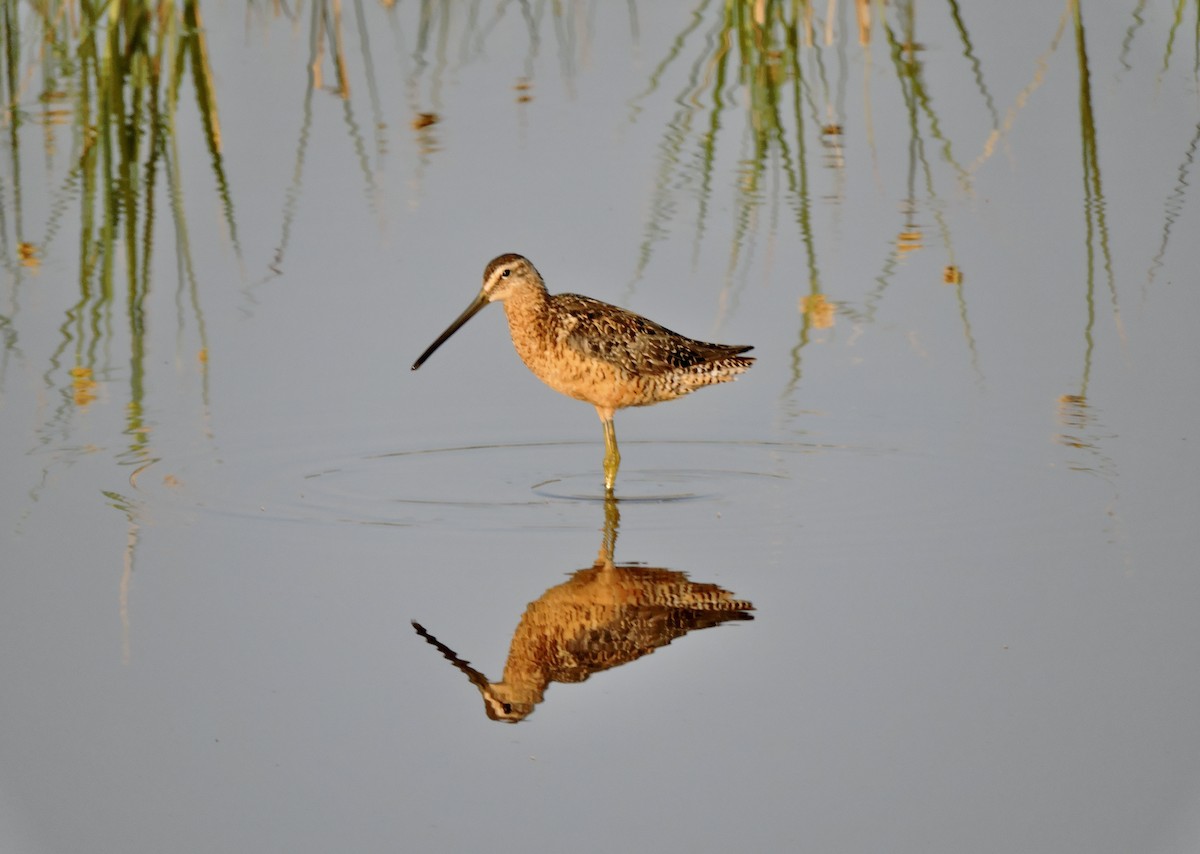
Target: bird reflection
(601,617)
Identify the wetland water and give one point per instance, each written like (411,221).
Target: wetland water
(923,579)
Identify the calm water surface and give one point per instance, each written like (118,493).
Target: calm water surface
(927,572)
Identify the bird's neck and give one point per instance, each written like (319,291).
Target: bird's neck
(527,307)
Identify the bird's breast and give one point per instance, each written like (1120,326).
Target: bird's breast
(541,339)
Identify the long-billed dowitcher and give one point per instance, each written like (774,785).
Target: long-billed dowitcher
(602,617)
(593,351)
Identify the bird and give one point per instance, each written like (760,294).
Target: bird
(593,351)
(599,618)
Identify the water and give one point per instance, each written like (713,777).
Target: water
(958,486)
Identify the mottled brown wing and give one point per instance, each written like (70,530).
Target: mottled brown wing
(637,346)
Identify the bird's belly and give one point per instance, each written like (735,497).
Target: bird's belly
(593,380)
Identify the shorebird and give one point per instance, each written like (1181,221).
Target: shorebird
(599,618)
(596,352)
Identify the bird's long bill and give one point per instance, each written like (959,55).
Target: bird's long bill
(478,303)
(477,679)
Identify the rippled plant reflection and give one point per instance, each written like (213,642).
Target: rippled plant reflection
(114,73)
(779,70)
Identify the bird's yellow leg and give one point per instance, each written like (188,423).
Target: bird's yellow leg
(612,457)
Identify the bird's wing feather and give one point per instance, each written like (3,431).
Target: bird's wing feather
(632,343)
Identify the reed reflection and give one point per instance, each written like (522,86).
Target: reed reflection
(1077,414)
(771,79)
(91,96)
(601,617)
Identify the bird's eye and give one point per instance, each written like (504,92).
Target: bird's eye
(508,708)
(507,272)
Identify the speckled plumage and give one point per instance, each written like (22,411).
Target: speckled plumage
(601,617)
(596,352)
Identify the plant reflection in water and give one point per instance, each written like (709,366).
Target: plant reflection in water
(601,617)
